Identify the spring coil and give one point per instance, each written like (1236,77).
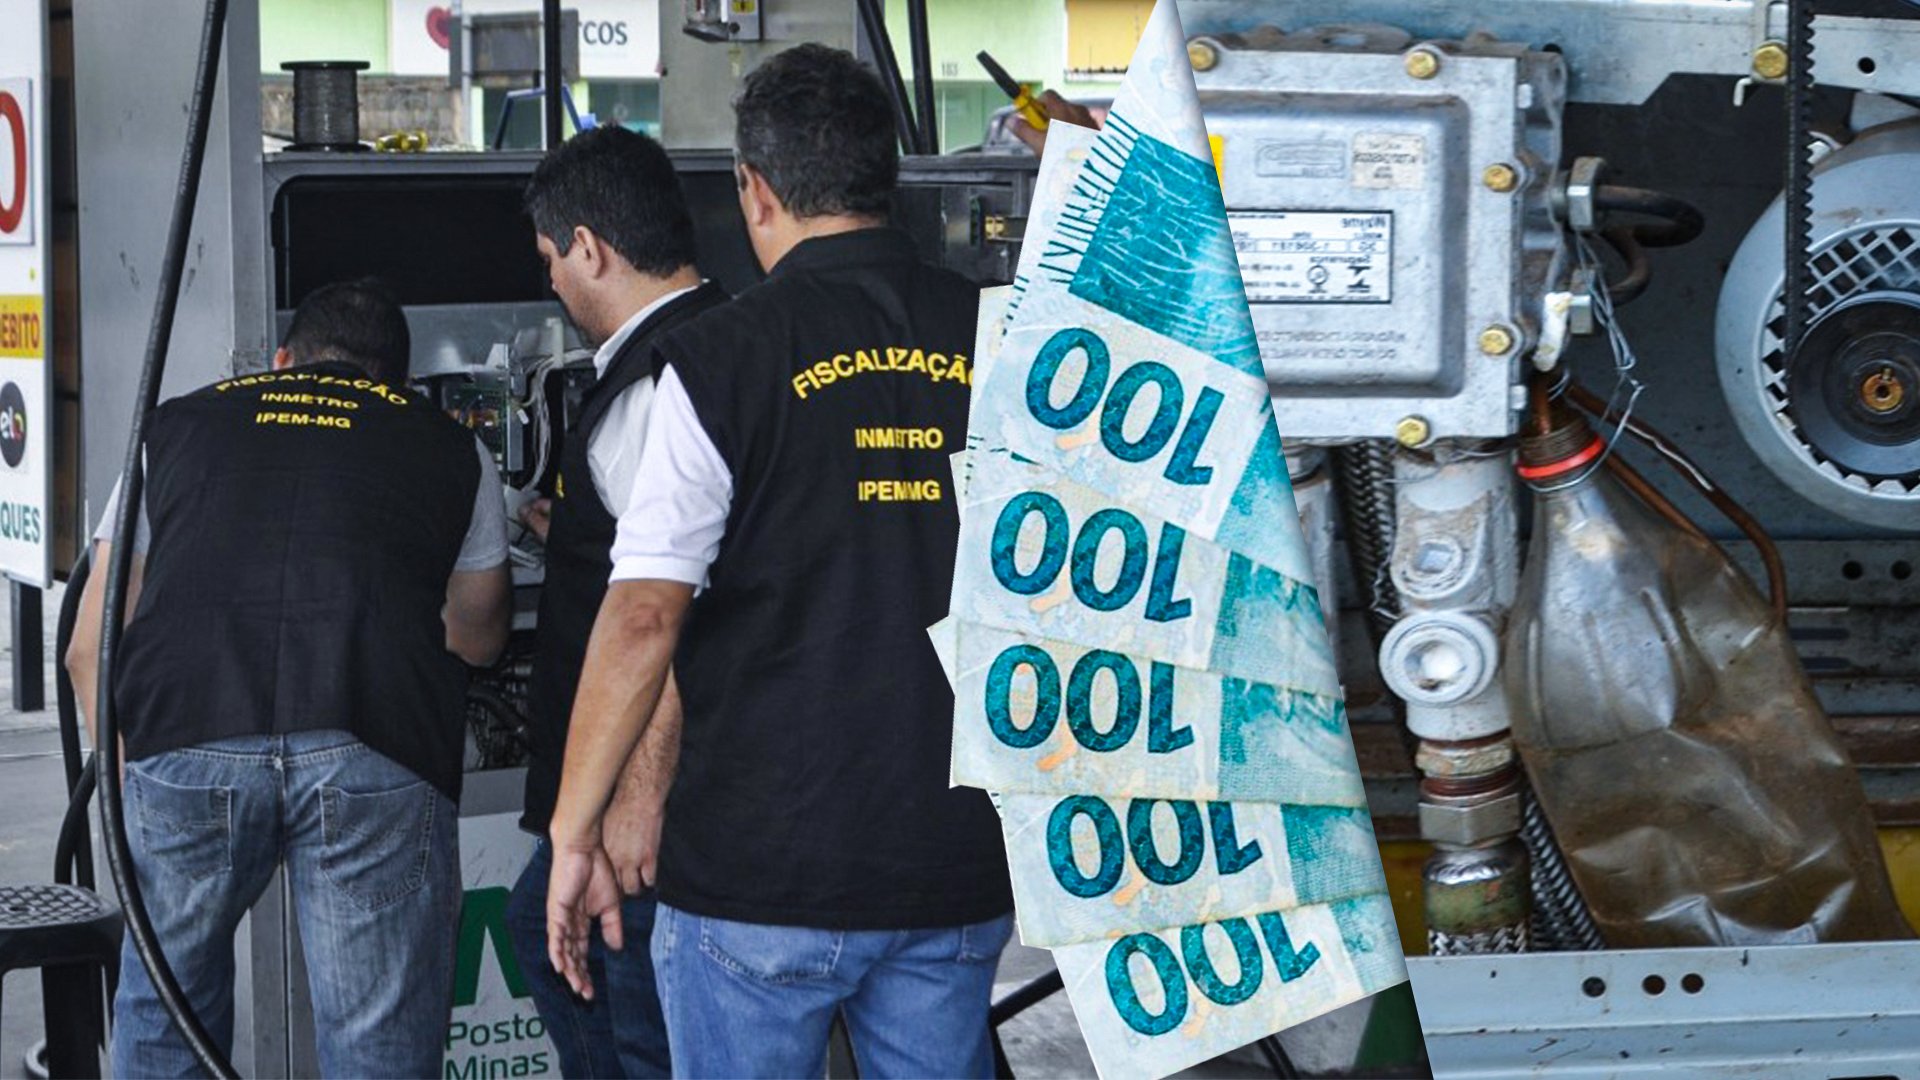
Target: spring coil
(326,103)
(1364,475)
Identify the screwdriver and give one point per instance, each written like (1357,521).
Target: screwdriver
(1023,102)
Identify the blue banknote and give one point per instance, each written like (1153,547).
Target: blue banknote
(1047,717)
(1094,867)
(1042,555)
(1159,1001)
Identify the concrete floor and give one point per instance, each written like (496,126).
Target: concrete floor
(1042,1043)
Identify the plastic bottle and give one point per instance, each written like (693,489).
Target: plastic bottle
(1695,784)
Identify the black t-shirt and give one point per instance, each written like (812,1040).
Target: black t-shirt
(812,787)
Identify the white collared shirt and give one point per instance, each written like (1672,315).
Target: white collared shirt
(672,525)
(613,451)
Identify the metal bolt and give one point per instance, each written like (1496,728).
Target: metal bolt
(1413,431)
(1496,341)
(1882,391)
(1202,55)
(1770,60)
(1423,63)
(1500,177)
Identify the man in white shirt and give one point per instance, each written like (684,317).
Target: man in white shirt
(815,861)
(613,228)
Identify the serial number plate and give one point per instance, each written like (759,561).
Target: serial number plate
(1315,256)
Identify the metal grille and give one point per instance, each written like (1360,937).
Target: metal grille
(1506,939)
(1875,259)
(23,906)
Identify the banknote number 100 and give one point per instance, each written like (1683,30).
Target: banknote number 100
(1183,465)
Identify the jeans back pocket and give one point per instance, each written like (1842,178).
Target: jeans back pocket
(376,844)
(770,954)
(185,830)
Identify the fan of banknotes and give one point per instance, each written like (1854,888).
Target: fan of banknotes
(1140,665)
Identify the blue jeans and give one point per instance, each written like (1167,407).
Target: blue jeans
(748,1000)
(620,1033)
(372,855)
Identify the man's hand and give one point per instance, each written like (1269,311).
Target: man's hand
(1056,108)
(537,516)
(631,837)
(580,890)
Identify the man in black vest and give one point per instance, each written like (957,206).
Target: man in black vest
(613,228)
(814,860)
(318,551)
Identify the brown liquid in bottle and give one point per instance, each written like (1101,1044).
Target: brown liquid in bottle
(1695,784)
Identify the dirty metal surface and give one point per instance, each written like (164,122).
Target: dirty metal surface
(1802,1012)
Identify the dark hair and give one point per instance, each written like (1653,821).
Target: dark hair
(355,322)
(621,185)
(817,125)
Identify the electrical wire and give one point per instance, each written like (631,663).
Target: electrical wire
(106,754)
(1624,361)
(1697,477)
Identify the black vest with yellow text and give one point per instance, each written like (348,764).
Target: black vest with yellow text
(812,787)
(305,523)
(579,546)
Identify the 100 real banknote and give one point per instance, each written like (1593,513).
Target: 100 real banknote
(1093,867)
(1048,717)
(1159,1001)
(1043,555)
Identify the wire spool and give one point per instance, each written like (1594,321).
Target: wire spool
(326,104)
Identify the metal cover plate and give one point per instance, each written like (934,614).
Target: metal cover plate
(1786,1012)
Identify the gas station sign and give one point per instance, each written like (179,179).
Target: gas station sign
(619,39)
(25,405)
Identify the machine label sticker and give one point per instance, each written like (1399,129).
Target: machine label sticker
(1389,162)
(1315,159)
(1315,257)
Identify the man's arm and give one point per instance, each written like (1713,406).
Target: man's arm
(479,611)
(669,535)
(626,672)
(633,820)
(478,614)
(83,649)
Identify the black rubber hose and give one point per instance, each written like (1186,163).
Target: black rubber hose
(65,706)
(874,19)
(1681,221)
(107,752)
(68,709)
(68,865)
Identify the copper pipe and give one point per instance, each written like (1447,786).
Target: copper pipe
(1540,403)
(1698,479)
(1650,495)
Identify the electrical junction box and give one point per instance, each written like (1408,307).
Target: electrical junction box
(1390,205)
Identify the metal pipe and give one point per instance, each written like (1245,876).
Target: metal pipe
(922,47)
(550,74)
(107,752)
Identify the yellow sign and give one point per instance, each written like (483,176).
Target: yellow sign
(1219,146)
(22,330)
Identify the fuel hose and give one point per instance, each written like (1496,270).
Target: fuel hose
(107,751)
